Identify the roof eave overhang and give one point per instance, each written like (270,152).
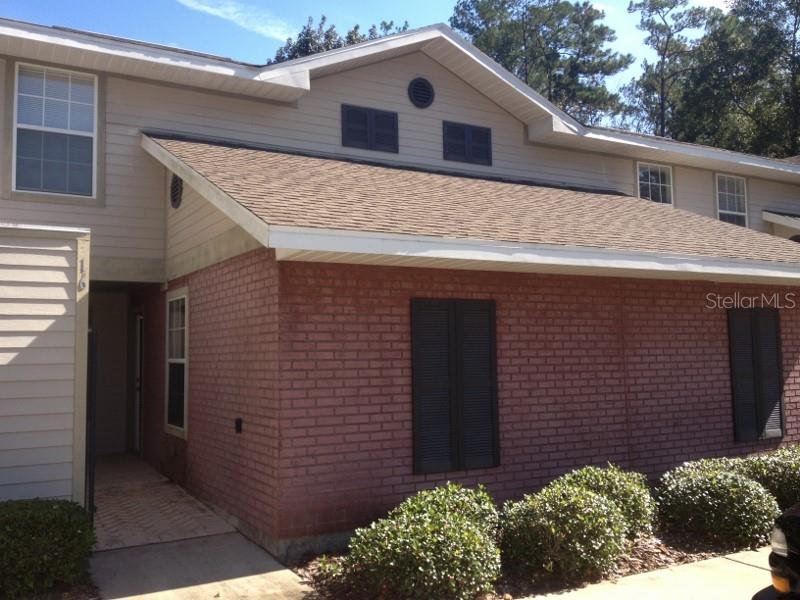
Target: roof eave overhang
(127,58)
(789,222)
(552,130)
(357,247)
(313,244)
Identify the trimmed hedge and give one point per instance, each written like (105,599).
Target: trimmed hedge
(628,490)
(778,472)
(565,531)
(440,543)
(45,543)
(718,504)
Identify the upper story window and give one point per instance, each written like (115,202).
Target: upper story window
(655,183)
(369,128)
(54,131)
(732,199)
(467,143)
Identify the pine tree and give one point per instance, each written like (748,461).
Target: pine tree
(557,47)
(653,95)
(314,39)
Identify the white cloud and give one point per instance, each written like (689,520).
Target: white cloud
(244,15)
(723,4)
(606,8)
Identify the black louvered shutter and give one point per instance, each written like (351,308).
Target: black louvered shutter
(383,131)
(355,126)
(454,385)
(455,142)
(432,372)
(756,377)
(475,363)
(743,376)
(479,145)
(768,367)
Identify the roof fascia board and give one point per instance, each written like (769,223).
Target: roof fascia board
(219,199)
(73,43)
(289,239)
(676,152)
(353,53)
(790,222)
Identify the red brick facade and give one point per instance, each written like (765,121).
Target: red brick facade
(316,359)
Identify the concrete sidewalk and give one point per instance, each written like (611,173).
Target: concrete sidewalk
(741,576)
(220,567)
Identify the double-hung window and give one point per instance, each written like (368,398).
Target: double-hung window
(55,130)
(655,183)
(176,375)
(454,385)
(756,374)
(732,199)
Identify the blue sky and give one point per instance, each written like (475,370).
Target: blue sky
(251,30)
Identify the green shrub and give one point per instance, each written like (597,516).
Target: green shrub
(44,543)
(778,472)
(719,505)
(439,543)
(629,491)
(565,531)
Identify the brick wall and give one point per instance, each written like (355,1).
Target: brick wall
(232,374)
(316,360)
(589,370)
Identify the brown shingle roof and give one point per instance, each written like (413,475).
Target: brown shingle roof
(307,191)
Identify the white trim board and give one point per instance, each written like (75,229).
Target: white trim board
(324,245)
(790,222)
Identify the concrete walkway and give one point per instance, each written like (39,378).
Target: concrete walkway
(741,576)
(218,567)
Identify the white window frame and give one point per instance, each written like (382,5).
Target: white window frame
(15,126)
(182,432)
(640,164)
(746,199)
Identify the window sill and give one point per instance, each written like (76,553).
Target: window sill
(22,196)
(175,431)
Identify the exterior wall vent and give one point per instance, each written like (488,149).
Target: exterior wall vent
(175,191)
(420,92)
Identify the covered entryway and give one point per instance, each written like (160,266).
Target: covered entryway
(136,506)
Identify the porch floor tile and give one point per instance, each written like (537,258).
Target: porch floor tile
(136,506)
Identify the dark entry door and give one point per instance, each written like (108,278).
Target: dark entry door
(137,383)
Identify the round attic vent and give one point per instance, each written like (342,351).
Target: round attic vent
(175,191)
(420,92)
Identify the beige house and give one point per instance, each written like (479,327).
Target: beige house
(414,155)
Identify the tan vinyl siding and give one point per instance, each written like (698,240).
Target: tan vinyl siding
(770,195)
(40,365)
(130,241)
(694,191)
(199,235)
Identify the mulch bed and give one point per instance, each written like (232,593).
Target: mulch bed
(646,554)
